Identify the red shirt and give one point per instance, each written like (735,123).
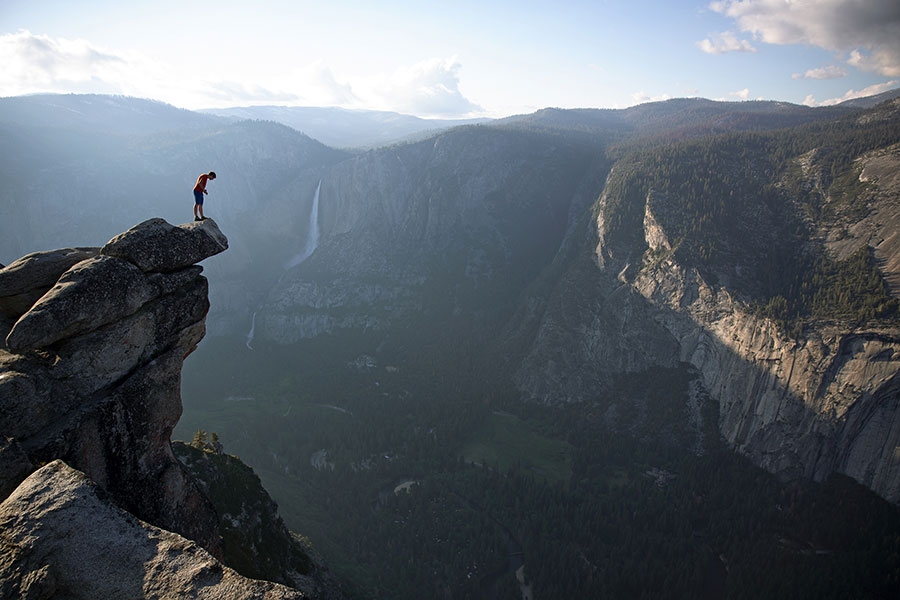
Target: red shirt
(201,183)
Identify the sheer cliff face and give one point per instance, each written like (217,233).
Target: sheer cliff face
(800,408)
(806,406)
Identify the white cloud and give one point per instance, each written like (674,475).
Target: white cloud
(866,31)
(38,63)
(725,42)
(741,94)
(884,61)
(427,88)
(34,63)
(310,85)
(643,97)
(829,72)
(872,90)
(318,85)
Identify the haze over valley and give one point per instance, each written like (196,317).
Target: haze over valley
(640,352)
(492,301)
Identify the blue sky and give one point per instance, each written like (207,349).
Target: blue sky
(453,58)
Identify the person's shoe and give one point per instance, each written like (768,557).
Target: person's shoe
(203,218)
(197,219)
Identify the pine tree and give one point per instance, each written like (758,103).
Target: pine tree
(199,440)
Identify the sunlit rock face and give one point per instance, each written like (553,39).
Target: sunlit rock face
(806,406)
(90,372)
(800,408)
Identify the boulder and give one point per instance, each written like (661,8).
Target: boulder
(94,292)
(60,537)
(157,246)
(40,269)
(24,281)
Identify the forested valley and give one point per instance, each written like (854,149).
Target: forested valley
(416,476)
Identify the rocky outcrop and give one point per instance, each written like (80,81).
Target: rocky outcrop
(30,277)
(90,378)
(61,537)
(91,371)
(158,247)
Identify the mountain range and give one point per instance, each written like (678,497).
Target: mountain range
(647,287)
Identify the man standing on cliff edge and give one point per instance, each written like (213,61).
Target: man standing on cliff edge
(199,190)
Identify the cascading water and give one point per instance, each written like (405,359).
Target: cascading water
(312,242)
(312,234)
(252,330)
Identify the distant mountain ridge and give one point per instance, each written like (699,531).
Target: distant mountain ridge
(344,128)
(871,101)
(99,113)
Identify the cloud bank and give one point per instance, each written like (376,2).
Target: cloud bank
(872,90)
(865,32)
(38,63)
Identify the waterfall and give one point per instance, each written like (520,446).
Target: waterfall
(252,331)
(312,242)
(312,233)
